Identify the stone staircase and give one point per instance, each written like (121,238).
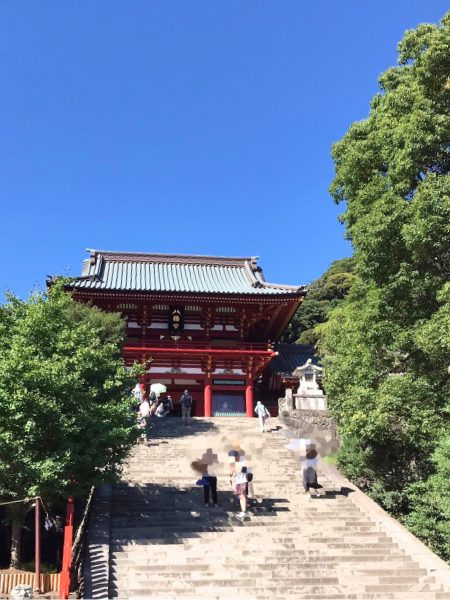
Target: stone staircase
(164,543)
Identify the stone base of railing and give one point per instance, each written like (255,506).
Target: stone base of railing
(308,420)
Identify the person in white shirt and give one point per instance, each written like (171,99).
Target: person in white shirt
(241,481)
(144,414)
(160,411)
(263,414)
(144,408)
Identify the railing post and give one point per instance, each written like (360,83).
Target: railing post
(37,545)
(64,582)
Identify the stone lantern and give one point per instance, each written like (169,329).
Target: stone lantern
(309,396)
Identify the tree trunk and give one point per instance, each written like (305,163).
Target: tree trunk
(16,514)
(16,531)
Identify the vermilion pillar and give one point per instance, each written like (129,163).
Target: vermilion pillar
(208,398)
(249,399)
(64,582)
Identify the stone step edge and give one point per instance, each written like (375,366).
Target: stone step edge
(273,576)
(349,589)
(298,596)
(304,566)
(217,594)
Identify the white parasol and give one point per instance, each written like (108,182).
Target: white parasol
(158,388)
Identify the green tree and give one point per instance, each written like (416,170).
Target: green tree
(65,423)
(387,344)
(430,516)
(323,295)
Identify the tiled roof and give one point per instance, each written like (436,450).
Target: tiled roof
(291,356)
(128,271)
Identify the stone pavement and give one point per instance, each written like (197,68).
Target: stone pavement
(164,543)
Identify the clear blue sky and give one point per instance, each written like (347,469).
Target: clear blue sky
(183,127)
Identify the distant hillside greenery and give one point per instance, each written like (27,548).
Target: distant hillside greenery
(324,294)
(387,344)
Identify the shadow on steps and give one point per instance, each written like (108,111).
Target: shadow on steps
(154,512)
(173,427)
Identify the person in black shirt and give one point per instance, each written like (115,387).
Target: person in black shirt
(186,405)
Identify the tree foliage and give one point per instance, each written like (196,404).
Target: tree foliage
(65,423)
(430,517)
(387,344)
(323,295)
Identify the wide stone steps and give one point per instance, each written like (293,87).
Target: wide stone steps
(254,564)
(132,524)
(296,587)
(316,567)
(310,577)
(369,575)
(164,544)
(256,519)
(264,531)
(323,546)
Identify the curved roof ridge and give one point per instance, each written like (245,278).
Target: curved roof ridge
(280,286)
(177,258)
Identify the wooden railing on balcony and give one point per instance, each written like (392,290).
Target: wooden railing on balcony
(187,344)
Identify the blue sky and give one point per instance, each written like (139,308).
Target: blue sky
(192,127)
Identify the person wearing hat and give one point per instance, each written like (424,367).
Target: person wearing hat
(309,473)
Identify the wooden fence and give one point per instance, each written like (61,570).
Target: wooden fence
(49,581)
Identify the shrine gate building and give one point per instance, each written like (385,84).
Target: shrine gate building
(202,323)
